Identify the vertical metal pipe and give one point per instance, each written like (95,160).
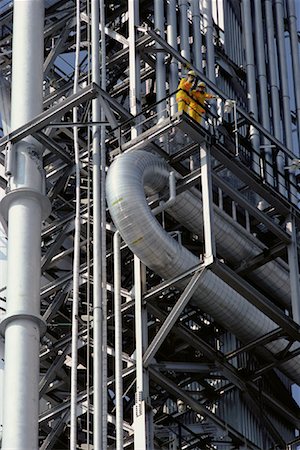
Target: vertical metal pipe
(273,71)
(172,40)
(103,228)
(283,73)
(141,412)
(25,206)
(263,87)
(251,77)
(159,23)
(207,201)
(134,63)
(76,259)
(197,36)
(118,342)
(97,264)
(294,40)
(274,90)
(209,41)
(184,29)
(3,282)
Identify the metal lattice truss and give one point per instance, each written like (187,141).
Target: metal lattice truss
(195,369)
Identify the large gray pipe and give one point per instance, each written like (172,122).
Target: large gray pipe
(294,39)
(127,177)
(172,40)
(184,29)
(197,36)
(3,281)
(25,207)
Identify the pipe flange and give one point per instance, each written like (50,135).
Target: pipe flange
(25,193)
(18,315)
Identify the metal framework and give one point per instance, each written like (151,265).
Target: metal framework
(168,310)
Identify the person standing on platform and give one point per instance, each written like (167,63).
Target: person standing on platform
(198,99)
(183,94)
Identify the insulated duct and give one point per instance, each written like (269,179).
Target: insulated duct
(128,178)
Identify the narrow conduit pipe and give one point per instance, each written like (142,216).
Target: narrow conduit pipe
(263,88)
(251,78)
(118,341)
(274,89)
(159,23)
(172,40)
(25,206)
(209,40)
(76,257)
(283,75)
(273,69)
(103,229)
(127,178)
(97,264)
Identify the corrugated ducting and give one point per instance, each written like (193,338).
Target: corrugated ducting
(126,179)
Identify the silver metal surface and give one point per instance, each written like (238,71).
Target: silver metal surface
(145,237)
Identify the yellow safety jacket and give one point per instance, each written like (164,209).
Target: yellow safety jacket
(198,100)
(183,89)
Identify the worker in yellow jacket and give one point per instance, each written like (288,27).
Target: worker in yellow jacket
(183,91)
(198,98)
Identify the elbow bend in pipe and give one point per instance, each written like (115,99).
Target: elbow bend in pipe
(127,179)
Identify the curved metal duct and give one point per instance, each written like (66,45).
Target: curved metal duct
(127,178)
(234,244)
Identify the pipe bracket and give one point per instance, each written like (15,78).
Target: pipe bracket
(23,193)
(19,315)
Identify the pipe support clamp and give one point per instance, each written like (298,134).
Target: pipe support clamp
(19,315)
(21,194)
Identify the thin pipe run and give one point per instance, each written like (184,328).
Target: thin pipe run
(118,342)
(287,122)
(76,259)
(172,40)
(97,264)
(103,226)
(251,77)
(294,40)
(159,23)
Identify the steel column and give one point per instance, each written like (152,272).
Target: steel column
(207,201)
(25,206)
(142,415)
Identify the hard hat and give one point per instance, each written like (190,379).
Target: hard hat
(201,84)
(192,73)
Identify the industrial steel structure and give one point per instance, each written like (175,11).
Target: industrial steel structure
(149,269)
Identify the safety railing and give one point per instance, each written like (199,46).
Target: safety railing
(273,164)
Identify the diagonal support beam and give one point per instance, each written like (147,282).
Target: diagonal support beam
(172,317)
(174,390)
(43,119)
(56,50)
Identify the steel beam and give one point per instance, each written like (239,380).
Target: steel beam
(44,119)
(167,325)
